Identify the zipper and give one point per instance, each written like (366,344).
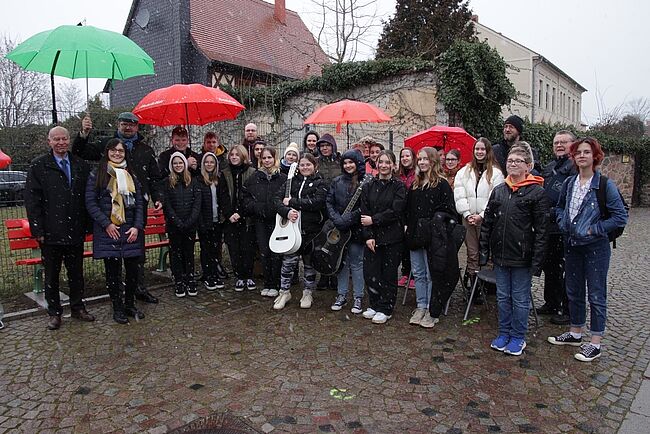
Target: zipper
(503,242)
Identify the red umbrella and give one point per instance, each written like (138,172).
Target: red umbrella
(347,112)
(187,104)
(445,137)
(5,160)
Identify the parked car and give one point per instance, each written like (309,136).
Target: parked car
(12,187)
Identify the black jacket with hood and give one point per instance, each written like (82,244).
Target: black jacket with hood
(340,194)
(384,200)
(329,167)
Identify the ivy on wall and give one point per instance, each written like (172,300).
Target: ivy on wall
(334,78)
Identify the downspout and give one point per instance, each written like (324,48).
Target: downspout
(533,93)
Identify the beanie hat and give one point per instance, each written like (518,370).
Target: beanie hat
(174,155)
(293,146)
(516,122)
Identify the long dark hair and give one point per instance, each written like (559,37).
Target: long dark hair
(489,163)
(102,170)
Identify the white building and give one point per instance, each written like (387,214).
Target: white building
(545,92)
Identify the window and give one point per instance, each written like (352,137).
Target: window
(547,92)
(553,101)
(539,94)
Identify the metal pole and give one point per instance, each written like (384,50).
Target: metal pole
(55,119)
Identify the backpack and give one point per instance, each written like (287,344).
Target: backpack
(601,195)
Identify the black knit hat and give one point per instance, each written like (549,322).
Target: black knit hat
(516,122)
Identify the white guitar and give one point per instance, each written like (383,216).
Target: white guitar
(286,238)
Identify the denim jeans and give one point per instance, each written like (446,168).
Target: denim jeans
(420,270)
(513,300)
(587,268)
(352,264)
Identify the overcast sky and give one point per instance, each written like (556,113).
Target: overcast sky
(601,44)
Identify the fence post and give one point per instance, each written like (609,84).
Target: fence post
(390,139)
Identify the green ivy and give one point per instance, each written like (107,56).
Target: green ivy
(336,77)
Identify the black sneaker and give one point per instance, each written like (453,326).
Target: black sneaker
(587,353)
(339,302)
(565,339)
(240,285)
(560,319)
(250,285)
(191,289)
(547,309)
(218,284)
(210,284)
(180,290)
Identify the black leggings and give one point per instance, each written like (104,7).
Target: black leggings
(210,241)
(240,239)
(272,262)
(113,269)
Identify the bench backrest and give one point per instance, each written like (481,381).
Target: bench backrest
(20,235)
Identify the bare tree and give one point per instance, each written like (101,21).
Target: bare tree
(346,28)
(24,97)
(69,99)
(639,107)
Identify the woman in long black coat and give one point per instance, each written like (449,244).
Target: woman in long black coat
(114,201)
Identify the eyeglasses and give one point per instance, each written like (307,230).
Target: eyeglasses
(117,151)
(514,162)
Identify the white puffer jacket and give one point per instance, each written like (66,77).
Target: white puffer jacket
(472,200)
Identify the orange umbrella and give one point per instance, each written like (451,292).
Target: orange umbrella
(347,112)
(5,160)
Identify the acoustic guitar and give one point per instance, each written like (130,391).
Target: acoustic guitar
(286,237)
(330,243)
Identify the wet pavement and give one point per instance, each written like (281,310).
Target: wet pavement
(321,371)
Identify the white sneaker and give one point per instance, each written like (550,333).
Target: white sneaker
(380,318)
(264,292)
(369,313)
(417,316)
(272,292)
(281,300)
(306,300)
(428,321)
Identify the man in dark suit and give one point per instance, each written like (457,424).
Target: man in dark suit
(144,163)
(55,192)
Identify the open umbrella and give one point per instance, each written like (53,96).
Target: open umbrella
(187,104)
(5,160)
(347,112)
(82,52)
(445,137)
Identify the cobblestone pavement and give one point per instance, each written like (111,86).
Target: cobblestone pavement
(322,371)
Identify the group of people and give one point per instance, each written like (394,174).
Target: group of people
(410,210)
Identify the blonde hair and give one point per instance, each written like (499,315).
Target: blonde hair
(210,178)
(431,177)
(243,153)
(173,177)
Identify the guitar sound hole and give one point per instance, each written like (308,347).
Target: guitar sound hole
(281,238)
(333,237)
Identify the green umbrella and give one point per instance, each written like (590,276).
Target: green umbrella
(82,52)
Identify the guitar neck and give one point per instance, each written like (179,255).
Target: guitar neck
(287,191)
(354,199)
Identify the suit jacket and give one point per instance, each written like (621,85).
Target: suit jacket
(56,210)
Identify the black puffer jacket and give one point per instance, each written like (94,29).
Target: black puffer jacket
(223,203)
(513,232)
(340,194)
(55,209)
(182,206)
(258,195)
(554,174)
(384,201)
(421,205)
(99,204)
(307,196)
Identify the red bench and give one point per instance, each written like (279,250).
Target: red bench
(20,238)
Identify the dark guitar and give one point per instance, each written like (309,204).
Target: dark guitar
(330,243)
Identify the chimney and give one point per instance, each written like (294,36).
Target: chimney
(475,18)
(280,12)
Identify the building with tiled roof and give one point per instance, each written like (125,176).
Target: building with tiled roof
(213,42)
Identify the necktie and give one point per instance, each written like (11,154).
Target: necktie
(65,165)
